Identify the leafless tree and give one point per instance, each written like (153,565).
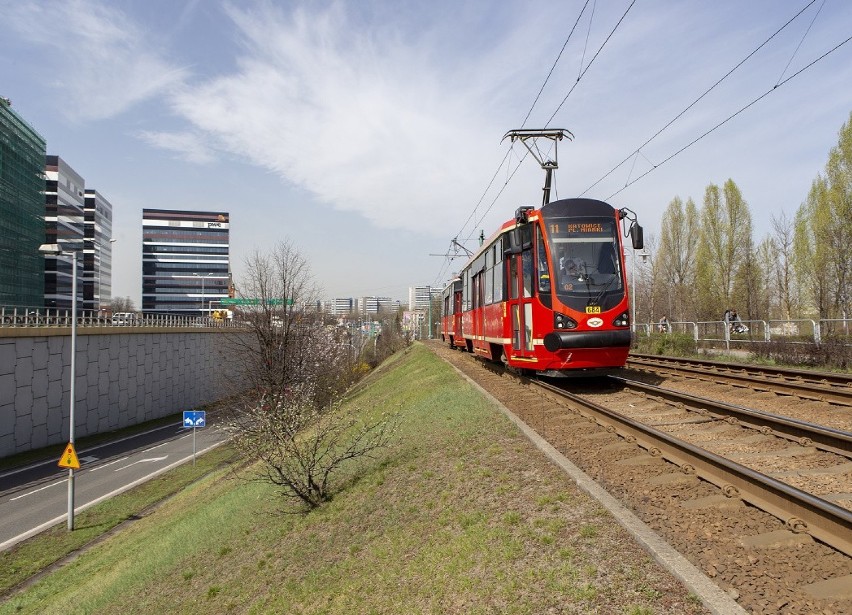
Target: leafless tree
(294,367)
(122,304)
(783,274)
(301,445)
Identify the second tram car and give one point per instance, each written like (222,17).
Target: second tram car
(547,293)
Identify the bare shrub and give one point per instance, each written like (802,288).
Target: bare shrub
(301,444)
(295,366)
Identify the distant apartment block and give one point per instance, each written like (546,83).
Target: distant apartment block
(97,251)
(185,261)
(375,305)
(341,307)
(22,157)
(419,297)
(64,202)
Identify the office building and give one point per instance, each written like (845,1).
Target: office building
(97,251)
(419,297)
(342,306)
(22,156)
(185,261)
(375,305)
(64,202)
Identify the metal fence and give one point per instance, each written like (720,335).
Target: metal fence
(62,317)
(801,330)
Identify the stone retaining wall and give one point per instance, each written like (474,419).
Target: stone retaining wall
(124,376)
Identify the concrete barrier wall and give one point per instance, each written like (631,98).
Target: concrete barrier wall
(124,376)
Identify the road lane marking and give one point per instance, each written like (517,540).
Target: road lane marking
(102,466)
(29,533)
(140,461)
(23,495)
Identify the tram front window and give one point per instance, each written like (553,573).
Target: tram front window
(586,266)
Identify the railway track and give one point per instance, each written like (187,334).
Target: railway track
(826,387)
(759,501)
(651,416)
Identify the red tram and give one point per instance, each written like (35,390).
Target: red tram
(547,293)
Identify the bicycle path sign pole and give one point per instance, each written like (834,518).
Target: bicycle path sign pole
(194,419)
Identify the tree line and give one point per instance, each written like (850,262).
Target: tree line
(707,260)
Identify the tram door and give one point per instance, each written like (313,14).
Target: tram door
(520,302)
(457,312)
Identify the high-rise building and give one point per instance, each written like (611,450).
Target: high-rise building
(342,306)
(185,261)
(374,305)
(97,251)
(22,155)
(63,224)
(419,297)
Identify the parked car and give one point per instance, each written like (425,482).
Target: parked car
(125,319)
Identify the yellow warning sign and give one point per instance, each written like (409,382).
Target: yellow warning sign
(69,458)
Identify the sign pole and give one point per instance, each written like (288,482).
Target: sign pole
(193,445)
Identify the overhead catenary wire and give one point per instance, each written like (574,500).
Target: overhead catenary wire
(526,118)
(589,65)
(804,36)
(697,100)
(733,115)
(564,99)
(555,62)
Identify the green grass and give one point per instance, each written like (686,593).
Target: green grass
(34,555)
(459,515)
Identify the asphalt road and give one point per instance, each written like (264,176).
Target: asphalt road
(35,498)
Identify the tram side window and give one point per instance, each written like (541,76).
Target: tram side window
(489,276)
(527,258)
(513,277)
(542,270)
(466,290)
(499,272)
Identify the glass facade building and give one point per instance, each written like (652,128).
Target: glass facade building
(64,202)
(185,261)
(97,251)
(22,156)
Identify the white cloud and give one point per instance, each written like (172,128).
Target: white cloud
(189,146)
(104,63)
(359,117)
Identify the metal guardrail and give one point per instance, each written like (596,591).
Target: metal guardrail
(62,317)
(798,329)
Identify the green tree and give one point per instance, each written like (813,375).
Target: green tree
(823,234)
(676,257)
(839,229)
(724,247)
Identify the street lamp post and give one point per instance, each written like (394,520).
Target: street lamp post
(644,256)
(53,249)
(202,288)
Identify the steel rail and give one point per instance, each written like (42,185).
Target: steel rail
(800,511)
(804,433)
(827,389)
(784,372)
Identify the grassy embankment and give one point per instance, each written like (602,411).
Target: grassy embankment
(460,515)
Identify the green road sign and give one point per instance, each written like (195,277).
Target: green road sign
(253,301)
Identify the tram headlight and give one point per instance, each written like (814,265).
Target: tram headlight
(623,320)
(561,321)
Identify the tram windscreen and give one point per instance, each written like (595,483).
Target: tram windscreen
(585,261)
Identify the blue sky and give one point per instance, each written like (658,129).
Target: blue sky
(367,132)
